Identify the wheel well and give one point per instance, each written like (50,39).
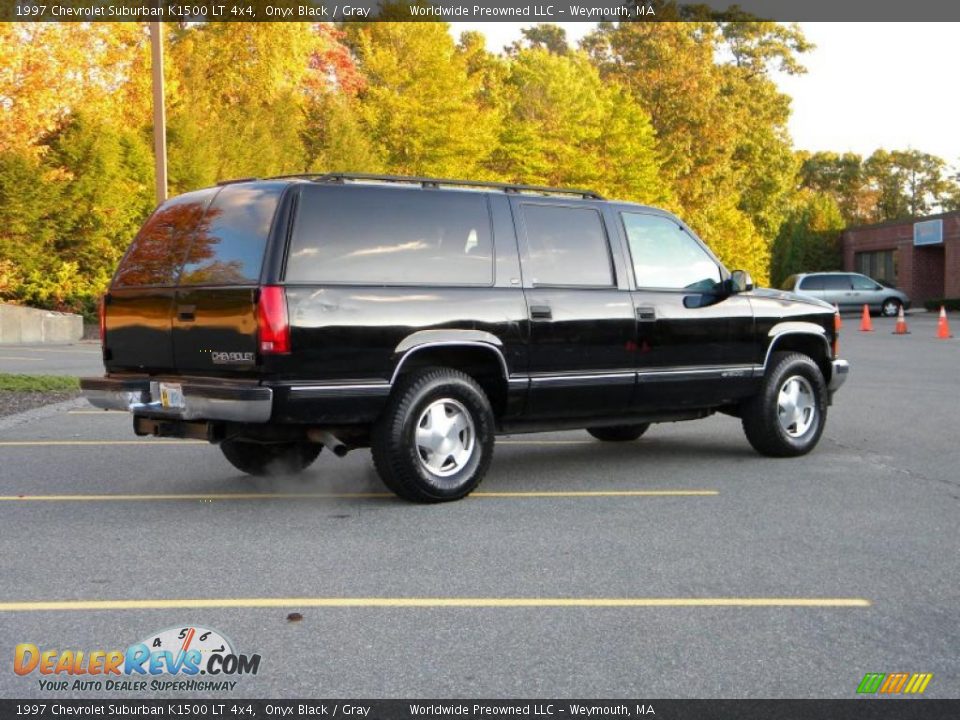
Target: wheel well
(813,346)
(482,364)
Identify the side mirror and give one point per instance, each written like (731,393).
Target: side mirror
(740,281)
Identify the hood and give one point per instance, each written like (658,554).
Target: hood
(790,297)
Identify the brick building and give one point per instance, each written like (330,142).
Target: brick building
(921,256)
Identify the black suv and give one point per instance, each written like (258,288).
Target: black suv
(421,317)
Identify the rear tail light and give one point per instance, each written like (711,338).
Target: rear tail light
(272,323)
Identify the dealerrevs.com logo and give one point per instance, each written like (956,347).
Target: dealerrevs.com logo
(169,660)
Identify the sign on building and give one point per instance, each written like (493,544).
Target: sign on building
(928,232)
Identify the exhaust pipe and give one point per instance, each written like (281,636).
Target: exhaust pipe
(328,441)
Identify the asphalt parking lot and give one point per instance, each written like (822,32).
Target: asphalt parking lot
(81,358)
(682,565)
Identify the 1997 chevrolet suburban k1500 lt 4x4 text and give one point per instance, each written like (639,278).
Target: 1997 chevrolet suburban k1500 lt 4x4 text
(421,317)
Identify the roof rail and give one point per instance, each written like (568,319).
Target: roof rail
(237,180)
(429,182)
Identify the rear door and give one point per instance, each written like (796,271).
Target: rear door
(139,304)
(214,314)
(582,327)
(838,290)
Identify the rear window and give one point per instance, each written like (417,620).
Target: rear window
(155,255)
(390,236)
(836,282)
(228,247)
(812,282)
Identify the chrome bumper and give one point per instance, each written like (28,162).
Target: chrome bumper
(200,402)
(838,375)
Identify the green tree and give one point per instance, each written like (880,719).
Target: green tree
(842,177)
(28,206)
(565,127)
(240,94)
(544,36)
(105,179)
(721,126)
(907,183)
(421,108)
(809,239)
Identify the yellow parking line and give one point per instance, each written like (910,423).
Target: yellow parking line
(199,497)
(433,602)
(10,357)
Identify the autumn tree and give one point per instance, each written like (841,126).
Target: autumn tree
(721,126)
(421,109)
(565,127)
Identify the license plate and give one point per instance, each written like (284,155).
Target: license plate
(171,395)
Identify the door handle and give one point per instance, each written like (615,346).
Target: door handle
(186,313)
(541,312)
(646,313)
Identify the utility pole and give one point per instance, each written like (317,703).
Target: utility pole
(159,111)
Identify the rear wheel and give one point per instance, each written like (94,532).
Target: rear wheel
(270,459)
(890,307)
(619,433)
(788,415)
(434,441)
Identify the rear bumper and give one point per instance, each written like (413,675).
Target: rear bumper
(238,403)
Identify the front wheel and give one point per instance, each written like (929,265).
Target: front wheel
(619,433)
(890,307)
(787,417)
(270,458)
(434,441)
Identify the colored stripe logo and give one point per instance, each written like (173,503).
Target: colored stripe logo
(894,683)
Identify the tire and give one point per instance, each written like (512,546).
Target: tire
(434,441)
(270,459)
(619,433)
(795,431)
(890,307)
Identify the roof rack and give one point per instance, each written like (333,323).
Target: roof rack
(237,180)
(428,182)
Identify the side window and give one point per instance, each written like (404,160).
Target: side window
(666,256)
(156,253)
(228,246)
(567,246)
(812,282)
(836,282)
(863,283)
(372,235)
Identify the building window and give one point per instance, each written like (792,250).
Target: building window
(880,265)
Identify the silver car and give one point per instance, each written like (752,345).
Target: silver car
(848,291)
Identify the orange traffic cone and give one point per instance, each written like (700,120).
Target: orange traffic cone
(866,324)
(837,322)
(901,327)
(943,329)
